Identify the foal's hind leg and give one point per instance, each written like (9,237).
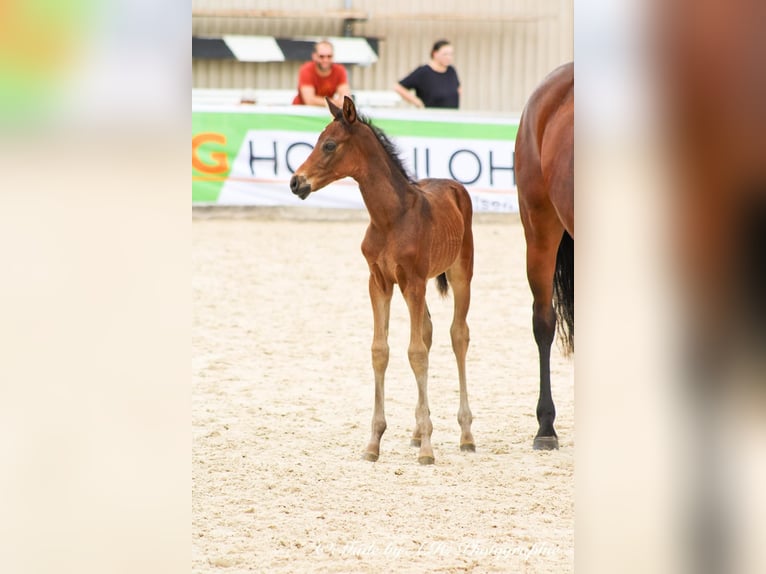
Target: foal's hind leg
(380,297)
(541,266)
(461,289)
(415,296)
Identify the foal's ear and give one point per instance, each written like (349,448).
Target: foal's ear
(349,110)
(334,110)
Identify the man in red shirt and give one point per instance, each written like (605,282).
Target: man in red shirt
(321,77)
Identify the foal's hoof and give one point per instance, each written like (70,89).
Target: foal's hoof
(371,456)
(468,447)
(545,443)
(426,459)
(415,442)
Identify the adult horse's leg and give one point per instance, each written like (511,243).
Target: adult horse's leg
(459,332)
(428,331)
(414,292)
(380,297)
(541,265)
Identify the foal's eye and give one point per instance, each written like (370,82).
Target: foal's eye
(329,146)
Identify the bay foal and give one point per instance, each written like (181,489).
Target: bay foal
(418,230)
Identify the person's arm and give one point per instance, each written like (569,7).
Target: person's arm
(308,94)
(408,96)
(343,90)
(306,87)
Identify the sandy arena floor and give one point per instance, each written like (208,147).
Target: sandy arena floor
(282,398)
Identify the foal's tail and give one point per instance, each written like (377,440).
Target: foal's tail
(441,284)
(563,293)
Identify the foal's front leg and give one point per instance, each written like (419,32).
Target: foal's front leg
(428,331)
(380,297)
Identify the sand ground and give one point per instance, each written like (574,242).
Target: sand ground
(282,396)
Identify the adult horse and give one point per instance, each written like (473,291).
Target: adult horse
(544,167)
(712,89)
(418,230)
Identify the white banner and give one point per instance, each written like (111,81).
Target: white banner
(267,159)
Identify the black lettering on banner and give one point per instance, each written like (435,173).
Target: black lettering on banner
(254,158)
(478,163)
(290,148)
(427,161)
(493,168)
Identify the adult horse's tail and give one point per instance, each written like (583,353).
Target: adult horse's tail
(563,293)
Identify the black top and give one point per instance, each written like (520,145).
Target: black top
(436,89)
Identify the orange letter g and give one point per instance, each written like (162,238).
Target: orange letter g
(220,164)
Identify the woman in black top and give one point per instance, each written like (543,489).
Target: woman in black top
(436,84)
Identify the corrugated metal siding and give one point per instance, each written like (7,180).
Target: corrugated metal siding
(503,48)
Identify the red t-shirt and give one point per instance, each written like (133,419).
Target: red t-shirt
(323,86)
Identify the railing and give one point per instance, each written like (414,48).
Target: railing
(215,97)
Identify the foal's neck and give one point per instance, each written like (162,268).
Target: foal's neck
(386,191)
(387,194)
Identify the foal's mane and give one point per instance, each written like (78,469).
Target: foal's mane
(388,146)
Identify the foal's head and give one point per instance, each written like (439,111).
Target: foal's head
(339,151)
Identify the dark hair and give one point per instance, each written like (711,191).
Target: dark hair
(438,45)
(388,146)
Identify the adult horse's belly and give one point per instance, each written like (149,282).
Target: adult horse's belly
(557,159)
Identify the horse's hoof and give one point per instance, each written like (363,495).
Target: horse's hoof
(371,456)
(415,442)
(545,443)
(426,459)
(468,447)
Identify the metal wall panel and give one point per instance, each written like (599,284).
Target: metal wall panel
(503,48)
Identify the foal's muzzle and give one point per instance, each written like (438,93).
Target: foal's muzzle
(299,186)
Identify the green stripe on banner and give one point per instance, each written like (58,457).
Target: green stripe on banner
(394,127)
(452,130)
(447,130)
(293,123)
